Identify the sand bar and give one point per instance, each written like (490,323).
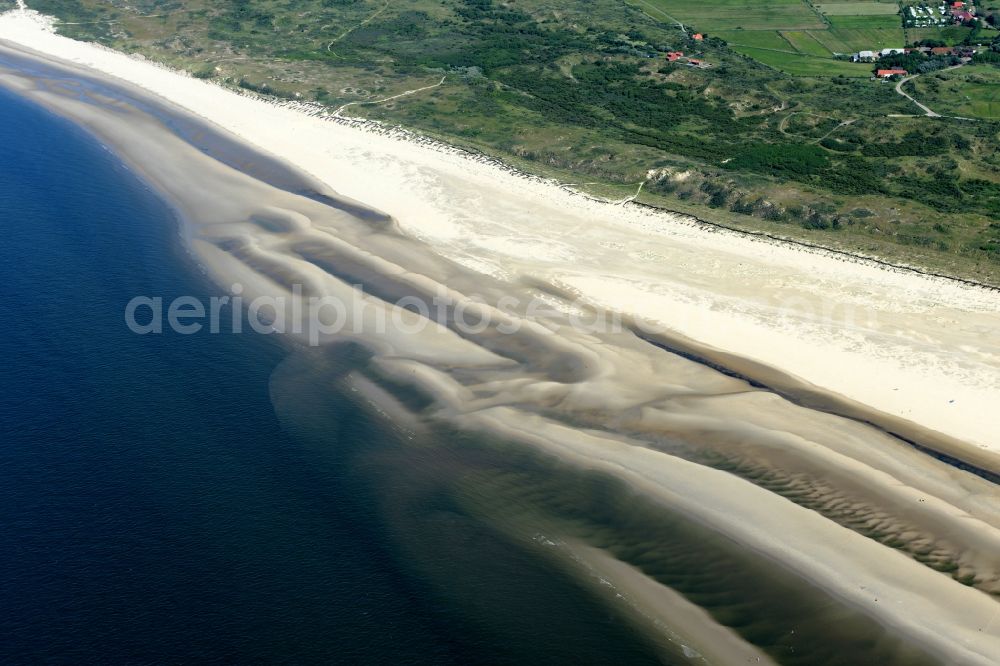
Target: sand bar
(515,235)
(922,349)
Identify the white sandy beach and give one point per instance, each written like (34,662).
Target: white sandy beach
(917,348)
(920,348)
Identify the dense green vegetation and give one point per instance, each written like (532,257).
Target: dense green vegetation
(582,89)
(972,91)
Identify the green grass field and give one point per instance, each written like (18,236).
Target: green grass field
(788,52)
(810,52)
(806,43)
(949,34)
(972,91)
(804,65)
(857,8)
(839,40)
(764,39)
(866,23)
(984,101)
(733,14)
(789,34)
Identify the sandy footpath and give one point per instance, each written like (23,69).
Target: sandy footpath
(923,349)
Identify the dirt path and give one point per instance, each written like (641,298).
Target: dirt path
(840,126)
(329,47)
(783,125)
(386,99)
(899,89)
(658,11)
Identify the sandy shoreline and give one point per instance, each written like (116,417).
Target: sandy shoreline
(917,348)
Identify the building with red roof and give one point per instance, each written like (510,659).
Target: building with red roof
(886,73)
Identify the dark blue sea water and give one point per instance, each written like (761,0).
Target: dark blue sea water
(153,508)
(150,506)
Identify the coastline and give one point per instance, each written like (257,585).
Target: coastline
(964,384)
(266,253)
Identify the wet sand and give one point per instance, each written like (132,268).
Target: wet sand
(919,349)
(903,548)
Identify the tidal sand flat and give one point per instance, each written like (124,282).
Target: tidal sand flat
(772,455)
(905,346)
(153,509)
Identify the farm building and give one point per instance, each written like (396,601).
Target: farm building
(863,56)
(886,73)
(674,55)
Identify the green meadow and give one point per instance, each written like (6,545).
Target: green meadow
(807,44)
(949,34)
(839,40)
(844,28)
(733,14)
(867,23)
(799,64)
(972,91)
(857,8)
(761,39)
